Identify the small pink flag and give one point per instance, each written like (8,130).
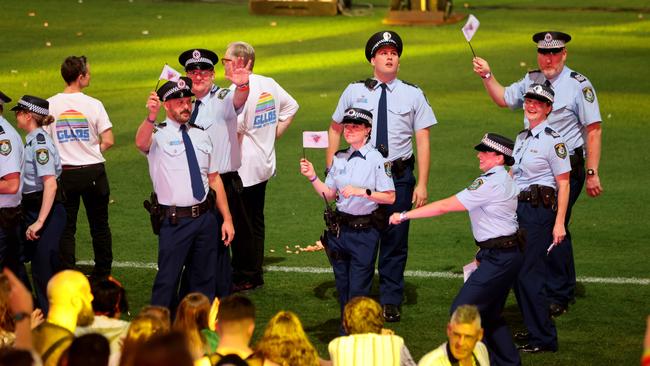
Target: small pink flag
(168,73)
(314,139)
(470,27)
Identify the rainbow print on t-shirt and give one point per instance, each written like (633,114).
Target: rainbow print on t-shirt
(265,111)
(72,126)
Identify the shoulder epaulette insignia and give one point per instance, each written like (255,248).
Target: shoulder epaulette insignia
(359,81)
(214,89)
(370,83)
(222,94)
(410,84)
(578,76)
(341,151)
(161,124)
(197,126)
(536,71)
(2,130)
(522,131)
(488,174)
(551,132)
(40,138)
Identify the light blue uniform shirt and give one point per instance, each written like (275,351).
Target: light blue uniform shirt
(168,167)
(574,108)
(217,116)
(366,169)
(11,160)
(540,155)
(408,111)
(41,159)
(491,201)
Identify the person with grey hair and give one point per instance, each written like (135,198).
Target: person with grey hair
(464,346)
(266,115)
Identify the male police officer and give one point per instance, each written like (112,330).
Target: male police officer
(491,201)
(399,110)
(178,151)
(575,115)
(215,110)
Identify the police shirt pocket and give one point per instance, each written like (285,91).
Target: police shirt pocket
(173,148)
(203,151)
(399,110)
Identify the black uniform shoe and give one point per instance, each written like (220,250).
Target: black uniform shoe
(521,336)
(245,286)
(392,313)
(529,348)
(557,309)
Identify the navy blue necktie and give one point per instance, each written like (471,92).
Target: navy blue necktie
(198,191)
(382,123)
(195,111)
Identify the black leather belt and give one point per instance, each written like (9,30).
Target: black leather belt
(190,211)
(504,242)
(398,166)
(358,222)
(75,167)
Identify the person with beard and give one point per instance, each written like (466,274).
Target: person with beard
(183,168)
(68,293)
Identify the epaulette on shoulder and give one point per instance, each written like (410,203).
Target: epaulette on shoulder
(370,83)
(341,151)
(359,81)
(40,138)
(2,130)
(214,89)
(161,125)
(522,131)
(551,132)
(410,84)
(536,71)
(578,76)
(196,126)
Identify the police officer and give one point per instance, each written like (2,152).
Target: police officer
(491,201)
(576,116)
(360,180)
(400,110)
(182,166)
(541,171)
(11,167)
(43,209)
(215,110)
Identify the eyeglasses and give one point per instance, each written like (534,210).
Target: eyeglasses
(202,73)
(224,60)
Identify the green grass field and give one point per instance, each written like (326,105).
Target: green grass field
(314,58)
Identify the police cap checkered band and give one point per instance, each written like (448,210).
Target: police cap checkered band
(198,58)
(33,104)
(173,90)
(358,116)
(551,40)
(498,143)
(383,38)
(540,92)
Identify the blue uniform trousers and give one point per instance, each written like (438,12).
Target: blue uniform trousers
(488,289)
(192,243)
(561,281)
(530,288)
(393,246)
(352,256)
(44,252)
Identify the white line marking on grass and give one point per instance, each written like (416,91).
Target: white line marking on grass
(416,274)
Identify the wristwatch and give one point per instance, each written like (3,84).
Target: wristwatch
(368,192)
(486,76)
(591,172)
(402,216)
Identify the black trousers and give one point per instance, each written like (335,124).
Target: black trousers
(89,184)
(251,258)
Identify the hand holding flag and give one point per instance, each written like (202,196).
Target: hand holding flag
(469,29)
(314,140)
(168,73)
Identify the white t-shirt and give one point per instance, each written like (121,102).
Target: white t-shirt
(267,104)
(80,120)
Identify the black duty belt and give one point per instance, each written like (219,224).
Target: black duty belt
(398,166)
(502,242)
(190,211)
(535,193)
(357,222)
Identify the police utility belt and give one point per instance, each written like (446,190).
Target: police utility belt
(518,239)
(158,212)
(399,166)
(537,195)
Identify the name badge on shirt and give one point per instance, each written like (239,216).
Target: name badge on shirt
(175,142)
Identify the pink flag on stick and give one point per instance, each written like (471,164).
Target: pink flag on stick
(168,73)
(470,27)
(314,139)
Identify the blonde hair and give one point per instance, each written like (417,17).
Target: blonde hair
(466,314)
(285,342)
(142,327)
(363,315)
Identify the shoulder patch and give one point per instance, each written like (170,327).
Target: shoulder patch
(388,169)
(370,83)
(588,93)
(5,147)
(40,138)
(222,94)
(197,126)
(410,84)
(42,156)
(560,150)
(475,184)
(578,77)
(550,131)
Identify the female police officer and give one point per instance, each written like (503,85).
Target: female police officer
(541,171)
(360,180)
(492,203)
(42,211)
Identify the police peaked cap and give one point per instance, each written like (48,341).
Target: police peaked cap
(4,98)
(198,58)
(174,90)
(33,104)
(551,40)
(357,116)
(383,38)
(540,92)
(498,144)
